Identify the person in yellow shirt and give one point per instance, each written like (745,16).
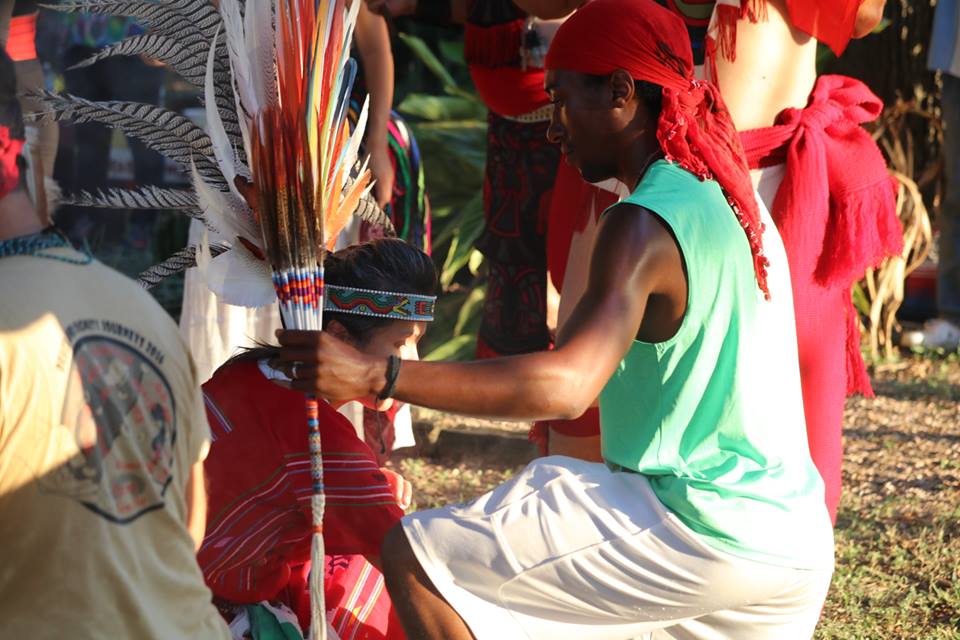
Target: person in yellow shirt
(102,439)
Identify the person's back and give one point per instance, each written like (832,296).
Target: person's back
(101,421)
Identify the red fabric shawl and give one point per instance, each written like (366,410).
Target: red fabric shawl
(258,484)
(695,129)
(836,206)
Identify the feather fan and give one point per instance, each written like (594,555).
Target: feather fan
(294,84)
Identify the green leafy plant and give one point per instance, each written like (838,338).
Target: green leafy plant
(451,131)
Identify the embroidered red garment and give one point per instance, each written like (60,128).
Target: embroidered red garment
(258,478)
(358,605)
(695,129)
(510,91)
(22,37)
(493,57)
(836,213)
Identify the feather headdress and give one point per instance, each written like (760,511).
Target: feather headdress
(231,56)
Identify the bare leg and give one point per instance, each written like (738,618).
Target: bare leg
(423,611)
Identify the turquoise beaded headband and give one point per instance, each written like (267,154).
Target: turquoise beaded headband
(380,304)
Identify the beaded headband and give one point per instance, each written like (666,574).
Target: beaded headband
(380,304)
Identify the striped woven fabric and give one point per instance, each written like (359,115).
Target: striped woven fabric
(259,486)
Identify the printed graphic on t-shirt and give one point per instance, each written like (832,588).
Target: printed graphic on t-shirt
(120,410)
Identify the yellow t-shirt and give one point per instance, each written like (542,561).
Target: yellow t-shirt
(101,420)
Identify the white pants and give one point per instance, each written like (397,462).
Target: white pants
(570,549)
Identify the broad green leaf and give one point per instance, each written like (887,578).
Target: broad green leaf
(428,107)
(458,348)
(473,208)
(860,302)
(475,262)
(429,60)
(452,51)
(461,248)
(469,317)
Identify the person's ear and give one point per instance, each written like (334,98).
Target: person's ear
(622,88)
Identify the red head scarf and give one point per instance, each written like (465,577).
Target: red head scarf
(695,130)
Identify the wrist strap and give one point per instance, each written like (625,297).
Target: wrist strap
(433,11)
(393,372)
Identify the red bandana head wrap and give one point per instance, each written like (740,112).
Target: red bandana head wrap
(695,130)
(9,151)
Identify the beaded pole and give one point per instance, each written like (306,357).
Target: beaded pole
(302,157)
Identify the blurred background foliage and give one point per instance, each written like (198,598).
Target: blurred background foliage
(436,96)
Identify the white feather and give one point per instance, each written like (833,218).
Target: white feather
(239,57)
(226,212)
(236,276)
(222,149)
(352,149)
(258,31)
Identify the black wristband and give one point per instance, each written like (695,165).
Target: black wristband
(433,11)
(393,372)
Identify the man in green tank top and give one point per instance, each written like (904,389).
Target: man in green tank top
(707,520)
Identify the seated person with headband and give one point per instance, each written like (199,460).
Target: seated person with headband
(257,543)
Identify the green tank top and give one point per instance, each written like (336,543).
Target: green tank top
(714,416)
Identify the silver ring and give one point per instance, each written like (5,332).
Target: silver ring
(293,370)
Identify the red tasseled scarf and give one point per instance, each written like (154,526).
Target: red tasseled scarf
(836,207)
(695,129)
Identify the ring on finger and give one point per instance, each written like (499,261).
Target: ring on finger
(293,370)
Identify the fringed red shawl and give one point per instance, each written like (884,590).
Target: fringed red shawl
(836,207)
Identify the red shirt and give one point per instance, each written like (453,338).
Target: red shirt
(258,484)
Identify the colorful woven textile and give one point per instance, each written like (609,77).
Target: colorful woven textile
(381,304)
(258,477)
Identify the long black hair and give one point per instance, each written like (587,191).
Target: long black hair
(387,264)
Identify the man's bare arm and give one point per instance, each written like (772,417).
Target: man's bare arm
(636,257)
(196,494)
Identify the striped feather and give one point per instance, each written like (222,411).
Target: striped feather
(146,197)
(185,22)
(166,49)
(162,130)
(188,22)
(201,12)
(369,211)
(177,263)
(156,17)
